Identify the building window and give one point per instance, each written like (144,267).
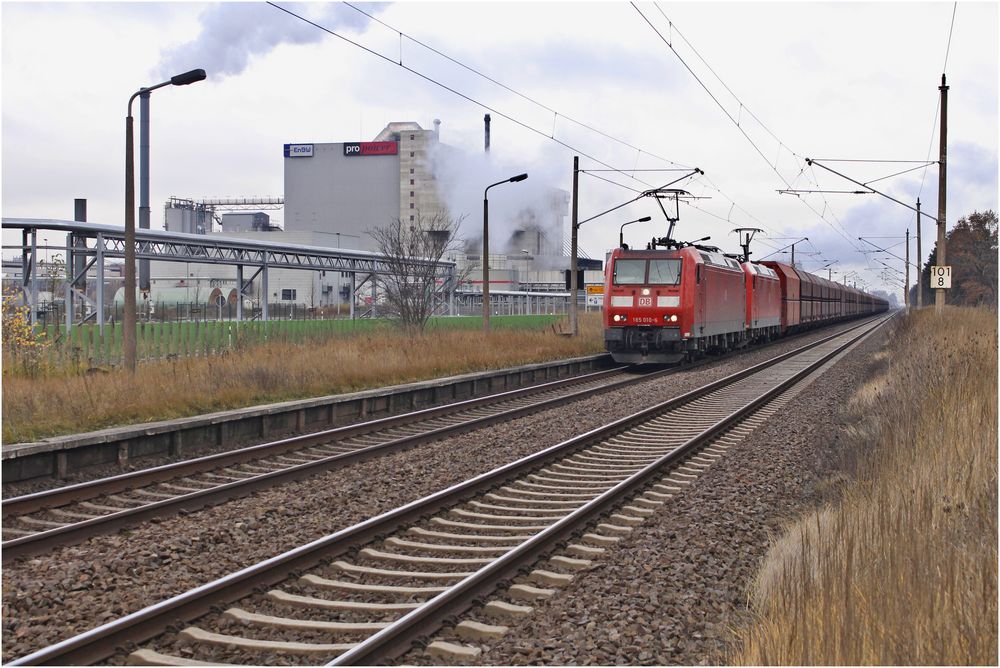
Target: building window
(411,182)
(411,219)
(287,295)
(411,205)
(411,193)
(411,170)
(411,154)
(411,136)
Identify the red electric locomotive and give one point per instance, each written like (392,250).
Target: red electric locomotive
(662,305)
(659,305)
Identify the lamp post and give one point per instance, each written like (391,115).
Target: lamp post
(486,247)
(128,319)
(525,252)
(621,230)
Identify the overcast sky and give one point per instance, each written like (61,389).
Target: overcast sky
(820,80)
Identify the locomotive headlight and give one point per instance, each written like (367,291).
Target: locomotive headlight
(645,292)
(673,318)
(617,318)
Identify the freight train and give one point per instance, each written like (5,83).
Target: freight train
(662,305)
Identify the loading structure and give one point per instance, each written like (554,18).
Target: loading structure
(89,245)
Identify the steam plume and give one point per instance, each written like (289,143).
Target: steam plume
(232,33)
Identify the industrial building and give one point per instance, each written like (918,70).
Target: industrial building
(336,193)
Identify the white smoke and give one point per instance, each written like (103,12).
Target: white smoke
(462,177)
(233,32)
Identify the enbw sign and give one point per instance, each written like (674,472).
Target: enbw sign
(298,150)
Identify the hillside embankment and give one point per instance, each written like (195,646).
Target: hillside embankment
(899,566)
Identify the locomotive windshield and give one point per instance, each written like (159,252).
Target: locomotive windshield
(630,272)
(661,272)
(664,272)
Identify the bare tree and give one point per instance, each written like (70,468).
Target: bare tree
(412,251)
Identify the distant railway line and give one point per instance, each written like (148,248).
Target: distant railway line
(377,585)
(39,521)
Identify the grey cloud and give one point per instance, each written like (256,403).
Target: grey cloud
(972,164)
(566,62)
(232,33)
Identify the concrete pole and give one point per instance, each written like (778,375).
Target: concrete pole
(906,295)
(34,277)
(25,265)
(264,295)
(80,242)
(920,263)
(451,293)
(239,293)
(939,293)
(144,182)
(574,227)
(354,289)
(99,260)
(128,317)
(69,284)
(486,263)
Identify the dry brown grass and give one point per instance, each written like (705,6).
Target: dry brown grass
(36,408)
(902,569)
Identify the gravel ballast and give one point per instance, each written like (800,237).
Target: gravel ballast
(673,591)
(75,588)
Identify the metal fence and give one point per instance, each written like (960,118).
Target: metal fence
(88,345)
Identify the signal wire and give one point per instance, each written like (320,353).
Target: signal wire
(937,110)
(489,108)
(511,90)
(458,93)
(547,108)
(841,232)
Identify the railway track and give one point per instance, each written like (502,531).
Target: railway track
(37,522)
(364,594)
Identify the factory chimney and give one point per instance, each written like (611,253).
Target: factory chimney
(437,129)
(486,120)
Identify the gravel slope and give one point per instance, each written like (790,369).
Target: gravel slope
(673,590)
(75,588)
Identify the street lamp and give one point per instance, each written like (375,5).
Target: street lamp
(486,247)
(621,230)
(525,251)
(128,321)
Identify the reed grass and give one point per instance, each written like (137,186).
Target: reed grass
(35,408)
(901,568)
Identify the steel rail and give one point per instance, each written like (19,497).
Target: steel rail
(94,488)
(100,642)
(43,540)
(399,635)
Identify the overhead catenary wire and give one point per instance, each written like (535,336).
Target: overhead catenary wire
(454,91)
(625,172)
(838,227)
(556,113)
(937,110)
(510,89)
